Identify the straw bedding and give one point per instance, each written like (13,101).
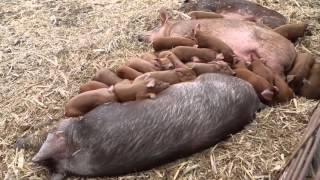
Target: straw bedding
(48,48)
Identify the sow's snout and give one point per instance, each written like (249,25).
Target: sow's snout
(53,147)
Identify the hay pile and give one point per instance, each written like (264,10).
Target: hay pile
(48,48)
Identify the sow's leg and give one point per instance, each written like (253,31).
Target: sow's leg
(116,139)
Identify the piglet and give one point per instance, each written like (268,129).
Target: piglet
(205,40)
(285,93)
(266,92)
(139,89)
(214,67)
(170,76)
(292,31)
(257,66)
(300,71)
(204,15)
(92,85)
(186,54)
(164,43)
(126,72)
(142,65)
(311,87)
(107,77)
(85,102)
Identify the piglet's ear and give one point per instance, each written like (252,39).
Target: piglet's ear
(151,83)
(164,16)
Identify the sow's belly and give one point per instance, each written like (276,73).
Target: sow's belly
(245,38)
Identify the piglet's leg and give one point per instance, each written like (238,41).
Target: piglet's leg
(164,43)
(293,31)
(204,15)
(176,61)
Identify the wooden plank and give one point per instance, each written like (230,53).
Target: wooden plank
(311,162)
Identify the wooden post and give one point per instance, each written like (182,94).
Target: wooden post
(307,152)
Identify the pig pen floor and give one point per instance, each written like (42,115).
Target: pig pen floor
(47,48)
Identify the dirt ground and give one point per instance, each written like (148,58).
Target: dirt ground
(49,47)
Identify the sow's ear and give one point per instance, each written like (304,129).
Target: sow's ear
(54,145)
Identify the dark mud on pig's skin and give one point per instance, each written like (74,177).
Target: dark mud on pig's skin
(116,139)
(248,10)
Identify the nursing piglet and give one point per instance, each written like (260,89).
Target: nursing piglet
(139,89)
(126,72)
(258,67)
(164,43)
(311,87)
(170,76)
(92,85)
(85,102)
(285,93)
(300,71)
(214,67)
(120,138)
(142,65)
(205,40)
(186,54)
(266,92)
(293,31)
(107,77)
